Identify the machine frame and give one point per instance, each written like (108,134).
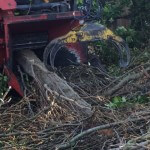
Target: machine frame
(55,24)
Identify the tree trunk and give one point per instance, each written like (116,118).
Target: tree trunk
(35,68)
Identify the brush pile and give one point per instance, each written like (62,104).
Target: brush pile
(120,120)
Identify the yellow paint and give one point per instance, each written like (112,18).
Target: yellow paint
(73,37)
(108,33)
(82,36)
(70,37)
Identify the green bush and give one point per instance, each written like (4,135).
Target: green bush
(119,102)
(138,33)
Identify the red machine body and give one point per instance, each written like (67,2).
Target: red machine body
(53,24)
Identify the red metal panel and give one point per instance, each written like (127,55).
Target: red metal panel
(2,49)
(68,14)
(0,15)
(34,18)
(1,41)
(12,81)
(2,55)
(80,49)
(7,4)
(55,24)
(7,41)
(62,28)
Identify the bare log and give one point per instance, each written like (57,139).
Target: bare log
(35,68)
(126,80)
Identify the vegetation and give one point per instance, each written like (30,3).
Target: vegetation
(138,12)
(136,34)
(120,97)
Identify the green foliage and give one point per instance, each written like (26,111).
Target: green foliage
(119,102)
(107,52)
(138,33)
(1,145)
(113,9)
(141,99)
(114,70)
(127,34)
(79,2)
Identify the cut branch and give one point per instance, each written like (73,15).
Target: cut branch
(35,68)
(86,132)
(124,81)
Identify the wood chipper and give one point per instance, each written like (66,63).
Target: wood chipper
(56,27)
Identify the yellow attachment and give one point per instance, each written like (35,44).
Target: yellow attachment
(88,33)
(108,33)
(71,37)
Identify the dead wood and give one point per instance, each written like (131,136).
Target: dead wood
(101,127)
(125,80)
(140,142)
(35,68)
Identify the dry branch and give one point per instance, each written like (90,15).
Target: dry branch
(101,127)
(135,143)
(125,80)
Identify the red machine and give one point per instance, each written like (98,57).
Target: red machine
(26,24)
(33,29)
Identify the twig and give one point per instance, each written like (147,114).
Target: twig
(78,102)
(57,127)
(2,100)
(27,133)
(120,77)
(124,81)
(136,143)
(30,119)
(86,132)
(145,72)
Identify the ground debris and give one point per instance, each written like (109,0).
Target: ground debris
(41,121)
